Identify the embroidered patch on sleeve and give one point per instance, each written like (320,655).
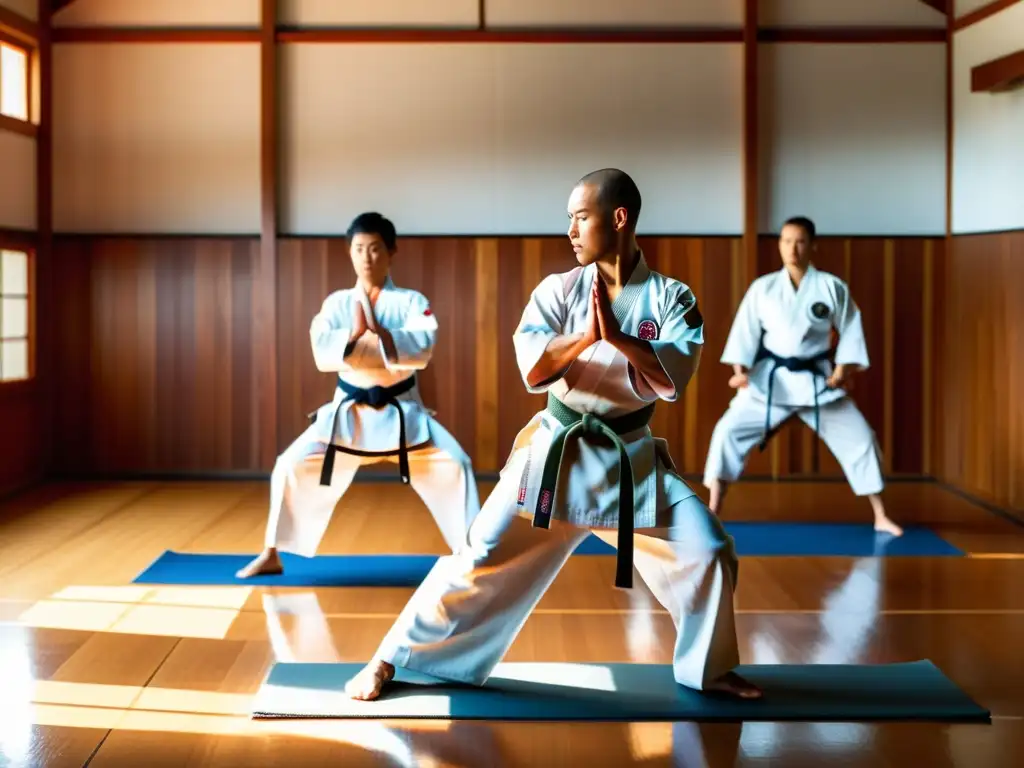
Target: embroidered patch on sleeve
(647,330)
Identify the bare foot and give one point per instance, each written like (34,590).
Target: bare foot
(734,685)
(370,680)
(885,525)
(267,564)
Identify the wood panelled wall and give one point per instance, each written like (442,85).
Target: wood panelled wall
(156,351)
(22,447)
(979,414)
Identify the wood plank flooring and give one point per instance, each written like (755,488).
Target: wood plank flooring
(97,671)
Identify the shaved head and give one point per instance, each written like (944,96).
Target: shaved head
(615,189)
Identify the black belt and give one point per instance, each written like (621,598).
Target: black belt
(375,397)
(575,424)
(798,364)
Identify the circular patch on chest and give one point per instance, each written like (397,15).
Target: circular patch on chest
(819,310)
(647,330)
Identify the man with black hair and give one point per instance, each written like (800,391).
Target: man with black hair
(374,337)
(605,341)
(780,349)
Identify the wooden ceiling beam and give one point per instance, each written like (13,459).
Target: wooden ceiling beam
(1002,74)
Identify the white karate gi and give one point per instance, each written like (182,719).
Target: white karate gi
(439,470)
(796,322)
(469,609)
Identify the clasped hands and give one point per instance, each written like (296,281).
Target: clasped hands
(363,322)
(601,322)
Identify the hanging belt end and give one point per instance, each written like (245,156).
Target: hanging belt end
(542,516)
(327,470)
(624,555)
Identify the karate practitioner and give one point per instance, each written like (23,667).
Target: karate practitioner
(375,336)
(605,341)
(779,347)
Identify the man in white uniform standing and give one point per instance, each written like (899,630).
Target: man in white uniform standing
(374,336)
(605,341)
(779,348)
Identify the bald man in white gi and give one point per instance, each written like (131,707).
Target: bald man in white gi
(605,342)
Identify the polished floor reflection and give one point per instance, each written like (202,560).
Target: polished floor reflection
(98,671)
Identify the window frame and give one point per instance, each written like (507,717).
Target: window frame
(17,125)
(30,337)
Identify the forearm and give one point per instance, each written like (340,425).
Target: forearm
(333,350)
(388,343)
(739,370)
(560,353)
(641,356)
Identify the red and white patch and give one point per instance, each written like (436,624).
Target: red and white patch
(647,330)
(427,312)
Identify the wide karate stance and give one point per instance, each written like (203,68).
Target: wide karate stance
(779,348)
(605,341)
(375,336)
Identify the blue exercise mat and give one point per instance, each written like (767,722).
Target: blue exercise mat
(626,692)
(752,540)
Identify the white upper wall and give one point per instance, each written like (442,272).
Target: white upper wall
(854,137)
(489,139)
(809,13)
(17,181)
(966,6)
(26,8)
(158,138)
(511,13)
(372,13)
(157,13)
(462,138)
(988,130)
(613,13)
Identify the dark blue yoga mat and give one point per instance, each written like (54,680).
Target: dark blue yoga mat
(627,692)
(752,540)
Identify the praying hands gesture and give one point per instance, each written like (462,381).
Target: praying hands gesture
(359,324)
(601,315)
(638,352)
(363,321)
(562,351)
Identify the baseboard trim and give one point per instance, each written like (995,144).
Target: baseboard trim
(8,492)
(487,477)
(1006,514)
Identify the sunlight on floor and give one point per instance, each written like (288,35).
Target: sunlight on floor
(173,612)
(131,708)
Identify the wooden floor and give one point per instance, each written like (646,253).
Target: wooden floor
(94,670)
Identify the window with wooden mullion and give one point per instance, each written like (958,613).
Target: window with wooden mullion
(15,316)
